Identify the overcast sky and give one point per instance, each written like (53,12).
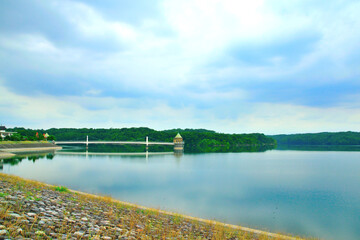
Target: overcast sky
(231,66)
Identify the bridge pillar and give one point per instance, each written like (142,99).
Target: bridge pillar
(87,142)
(147,142)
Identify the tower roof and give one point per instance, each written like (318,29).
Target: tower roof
(178,136)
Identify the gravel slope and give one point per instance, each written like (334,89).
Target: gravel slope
(33,210)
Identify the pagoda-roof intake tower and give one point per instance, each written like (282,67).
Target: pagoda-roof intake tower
(178,143)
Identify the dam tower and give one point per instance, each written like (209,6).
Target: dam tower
(178,143)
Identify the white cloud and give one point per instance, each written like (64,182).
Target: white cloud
(47,111)
(339,29)
(91,24)
(27,42)
(37,53)
(210,26)
(206,28)
(44,111)
(145,62)
(287,118)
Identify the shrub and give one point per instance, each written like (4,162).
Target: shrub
(61,189)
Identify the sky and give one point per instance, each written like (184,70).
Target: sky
(233,66)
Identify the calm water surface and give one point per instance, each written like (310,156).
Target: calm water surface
(307,193)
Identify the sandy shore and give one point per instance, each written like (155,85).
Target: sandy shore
(34,210)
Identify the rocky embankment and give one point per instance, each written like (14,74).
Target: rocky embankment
(33,210)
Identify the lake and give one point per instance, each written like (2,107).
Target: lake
(308,192)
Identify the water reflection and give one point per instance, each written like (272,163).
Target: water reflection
(112,154)
(78,151)
(311,193)
(27,156)
(103,148)
(224,149)
(116,148)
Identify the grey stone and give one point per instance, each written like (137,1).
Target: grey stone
(14,215)
(79,233)
(54,235)
(40,233)
(31,214)
(105,222)
(11,197)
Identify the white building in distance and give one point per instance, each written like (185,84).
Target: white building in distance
(4,133)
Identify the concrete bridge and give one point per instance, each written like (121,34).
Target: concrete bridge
(87,142)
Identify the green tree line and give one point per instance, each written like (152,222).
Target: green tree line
(192,137)
(23,134)
(324,138)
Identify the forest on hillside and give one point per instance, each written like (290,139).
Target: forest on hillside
(192,137)
(324,138)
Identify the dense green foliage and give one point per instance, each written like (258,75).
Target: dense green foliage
(23,134)
(208,149)
(318,148)
(192,137)
(325,138)
(14,137)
